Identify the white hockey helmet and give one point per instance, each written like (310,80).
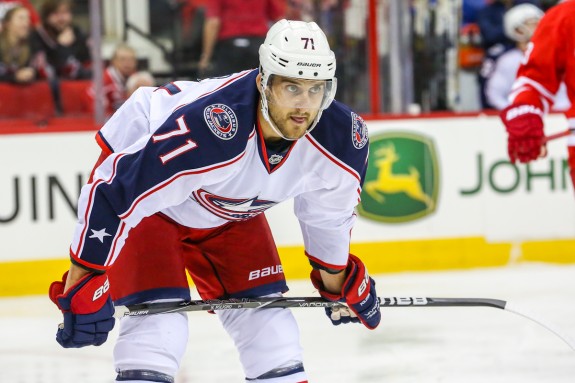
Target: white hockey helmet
(299,50)
(515,21)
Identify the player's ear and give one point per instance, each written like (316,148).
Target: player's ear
(259,82)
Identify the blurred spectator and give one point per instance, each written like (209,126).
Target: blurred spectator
(189,9)
(138,79)
(192,14)
(233,33)
(63,48)
(303,10)
(469,10)
(470,47)
(15,51)
(519,24)
(6,5)
(123,64)
(493,38)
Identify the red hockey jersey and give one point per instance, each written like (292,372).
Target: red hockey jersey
(548,61)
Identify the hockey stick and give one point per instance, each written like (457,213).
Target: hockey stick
(290,302)
(564,133)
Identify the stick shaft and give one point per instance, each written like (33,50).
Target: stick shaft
(555,136)
(292,302)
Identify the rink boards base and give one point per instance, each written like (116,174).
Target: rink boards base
(34,277)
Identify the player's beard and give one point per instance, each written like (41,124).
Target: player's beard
(286,123)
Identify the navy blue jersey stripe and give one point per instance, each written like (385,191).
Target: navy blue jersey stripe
(103,143)
(171,88)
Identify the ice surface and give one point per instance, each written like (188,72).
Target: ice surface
(459,344)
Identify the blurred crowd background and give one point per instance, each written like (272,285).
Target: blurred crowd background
(85,57)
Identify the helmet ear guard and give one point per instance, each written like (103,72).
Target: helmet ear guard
(298,50)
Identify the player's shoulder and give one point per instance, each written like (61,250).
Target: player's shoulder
(227,112)
(561,7)
(343,133)
(219,116)
(174,95)
(128,124)
(560,14)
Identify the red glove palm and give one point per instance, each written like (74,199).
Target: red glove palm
(524,124)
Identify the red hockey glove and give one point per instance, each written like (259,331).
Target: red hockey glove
(358,292)
(88,311)
(524,124)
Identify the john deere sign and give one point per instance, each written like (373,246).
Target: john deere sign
(402,178)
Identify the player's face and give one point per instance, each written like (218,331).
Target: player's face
(293,104)
(529,27)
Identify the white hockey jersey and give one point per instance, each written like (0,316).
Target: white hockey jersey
(194,151)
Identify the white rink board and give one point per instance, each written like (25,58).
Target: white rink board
(537,214)
(33,233)
(42,222)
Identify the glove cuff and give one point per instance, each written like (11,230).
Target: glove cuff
(523,120)
(356,285)
(57,288)
(358,288)
(317,282)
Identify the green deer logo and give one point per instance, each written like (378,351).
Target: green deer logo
(389,183)
(402,179)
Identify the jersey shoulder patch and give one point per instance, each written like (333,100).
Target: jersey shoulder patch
(221,120)
(344,134)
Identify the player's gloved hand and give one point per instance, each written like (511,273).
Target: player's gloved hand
(524,124)
(88,311)
(358,292)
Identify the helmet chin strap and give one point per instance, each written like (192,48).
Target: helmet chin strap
(265,112)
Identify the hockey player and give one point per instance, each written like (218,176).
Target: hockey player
(186,171)
(547,62)
(519,24)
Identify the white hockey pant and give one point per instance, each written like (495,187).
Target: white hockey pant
(267,341)
(151,343)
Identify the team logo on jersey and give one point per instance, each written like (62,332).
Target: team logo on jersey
(402,179)
(359,135)
(222,120)
(275,159)
(230,208)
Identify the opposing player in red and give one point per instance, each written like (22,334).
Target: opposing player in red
(548,61)
(186,171)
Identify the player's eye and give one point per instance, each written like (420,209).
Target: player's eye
(293,89)
(317,89)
